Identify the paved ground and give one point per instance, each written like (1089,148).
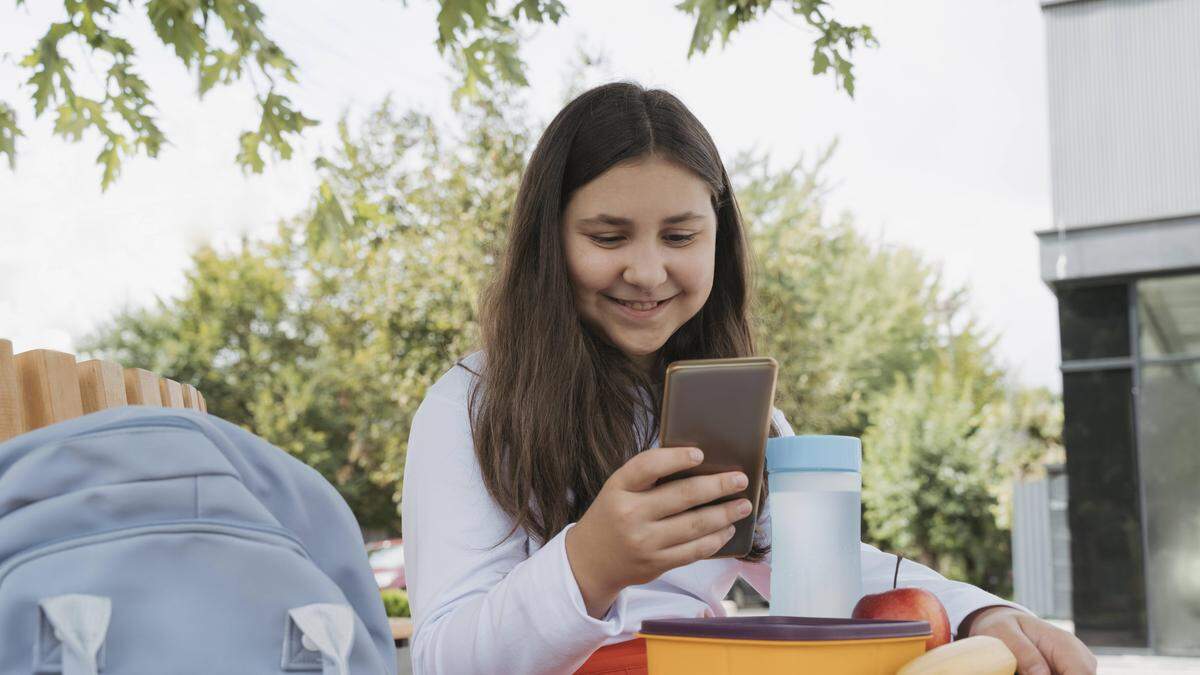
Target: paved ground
(405,662)
(1133,664)
(1137,662)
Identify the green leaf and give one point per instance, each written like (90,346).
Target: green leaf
(124,113)
(248,155)
(279,121)
(508,64)
(218,66)
(110,159)
(706,24)
(174,22)
(845,71)
(50,70)
(833,44)
(820,62)
(539,11)
(70,123)
(8,134)
(271,57)
(453,16)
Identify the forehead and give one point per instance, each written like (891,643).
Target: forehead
(643,190)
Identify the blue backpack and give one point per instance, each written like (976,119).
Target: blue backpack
(167,541)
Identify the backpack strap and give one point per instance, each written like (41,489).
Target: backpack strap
(320,627)
(79,624)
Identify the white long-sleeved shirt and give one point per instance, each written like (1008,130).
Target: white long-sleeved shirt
(486,601)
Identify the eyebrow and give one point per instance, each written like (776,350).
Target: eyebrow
(605,219)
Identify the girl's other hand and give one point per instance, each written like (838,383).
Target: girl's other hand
(1041,648)
(634,531)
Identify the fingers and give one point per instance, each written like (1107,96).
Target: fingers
(640,472)
(696,549)
(1065,652)
(1029,659)
(700,523)
(680,495)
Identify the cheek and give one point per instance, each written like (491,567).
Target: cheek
(588,270)
(695,274)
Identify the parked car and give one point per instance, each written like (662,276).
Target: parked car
(387,562)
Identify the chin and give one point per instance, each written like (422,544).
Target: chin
(638,350)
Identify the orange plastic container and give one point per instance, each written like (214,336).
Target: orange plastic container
(766,645)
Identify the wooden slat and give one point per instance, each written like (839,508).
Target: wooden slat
(49,387)
(172,393)
(141,387)
(102,385)
(11,422)
(41,387)
(190,399)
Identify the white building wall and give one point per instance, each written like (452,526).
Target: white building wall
(1124,99)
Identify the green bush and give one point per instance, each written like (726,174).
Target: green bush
(395,602)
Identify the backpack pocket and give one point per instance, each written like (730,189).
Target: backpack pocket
(186,597)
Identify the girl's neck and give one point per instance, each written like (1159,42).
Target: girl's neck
(645,363)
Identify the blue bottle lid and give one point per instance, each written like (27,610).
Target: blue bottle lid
(814,453)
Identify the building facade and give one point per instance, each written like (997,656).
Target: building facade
(1123,258)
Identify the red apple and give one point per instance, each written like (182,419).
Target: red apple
(907,604)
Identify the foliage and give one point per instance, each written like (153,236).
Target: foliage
(482,39)
(939,454)
(871,344)
(325,338)
(834,45)
(841,316)
(395,602)
(928,477)
(221,42)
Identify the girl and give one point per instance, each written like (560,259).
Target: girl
(533,529)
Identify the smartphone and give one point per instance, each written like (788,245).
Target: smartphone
(723,407)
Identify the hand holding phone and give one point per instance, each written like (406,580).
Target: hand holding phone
(635,530)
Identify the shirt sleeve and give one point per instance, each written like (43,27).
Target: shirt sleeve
(878,570)
(480,602)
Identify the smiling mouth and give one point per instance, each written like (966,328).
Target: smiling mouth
(640,306)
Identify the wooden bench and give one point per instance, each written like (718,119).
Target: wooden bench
(40,387)
(402,630)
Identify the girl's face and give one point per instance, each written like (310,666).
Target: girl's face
(641,232)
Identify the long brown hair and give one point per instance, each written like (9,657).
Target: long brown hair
(557,408)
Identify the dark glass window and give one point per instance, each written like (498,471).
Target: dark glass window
(1169,453)
(1094,322)
(1169,316)
(1108,587)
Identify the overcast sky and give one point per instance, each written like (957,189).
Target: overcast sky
(944,148)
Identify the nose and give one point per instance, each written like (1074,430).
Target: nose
(645,268)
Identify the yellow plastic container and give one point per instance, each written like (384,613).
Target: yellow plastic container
(766,645)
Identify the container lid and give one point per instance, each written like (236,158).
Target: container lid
(814,453)
(785,628)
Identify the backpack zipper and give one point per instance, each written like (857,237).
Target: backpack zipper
(243,531)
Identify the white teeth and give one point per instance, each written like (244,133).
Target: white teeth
(641,306)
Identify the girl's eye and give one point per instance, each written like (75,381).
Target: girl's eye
(673,238)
